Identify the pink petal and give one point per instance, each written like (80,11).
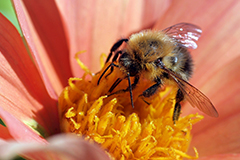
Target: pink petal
(59,147)
(18,130)
(221,135)
(216,67)
(222,157)
(50,47)
(95,26)
(22,92)
(220,23)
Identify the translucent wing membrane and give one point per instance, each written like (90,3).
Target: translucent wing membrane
(185,34)
(195,97)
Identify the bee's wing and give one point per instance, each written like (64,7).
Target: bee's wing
(195,97)
(185,34)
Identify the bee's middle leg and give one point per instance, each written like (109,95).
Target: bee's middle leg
(151,90)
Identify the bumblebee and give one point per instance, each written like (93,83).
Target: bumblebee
(162,57)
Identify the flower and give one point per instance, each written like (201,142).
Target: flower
(64,29)
(145,132)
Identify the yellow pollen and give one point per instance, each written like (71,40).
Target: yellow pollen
(143,132)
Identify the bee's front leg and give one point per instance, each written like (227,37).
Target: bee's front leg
(115,47)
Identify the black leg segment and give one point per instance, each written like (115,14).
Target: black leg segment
(151,90)
(129,88)
(115,47)
(177,107)
(115,84)
(113,60)
(116,56)
(110,65)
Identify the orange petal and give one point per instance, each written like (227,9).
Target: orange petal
(4,134)
(50,41)
(22,91)
(95,26)
(59,147)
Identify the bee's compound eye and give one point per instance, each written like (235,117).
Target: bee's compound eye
(159,62)
(174,60)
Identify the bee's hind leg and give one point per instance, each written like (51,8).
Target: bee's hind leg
(177,107)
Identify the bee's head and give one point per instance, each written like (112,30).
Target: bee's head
(129,64)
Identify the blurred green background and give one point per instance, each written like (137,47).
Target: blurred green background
(7,10)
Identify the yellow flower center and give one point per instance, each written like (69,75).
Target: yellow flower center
(143,132)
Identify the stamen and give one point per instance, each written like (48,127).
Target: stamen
(145,132)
